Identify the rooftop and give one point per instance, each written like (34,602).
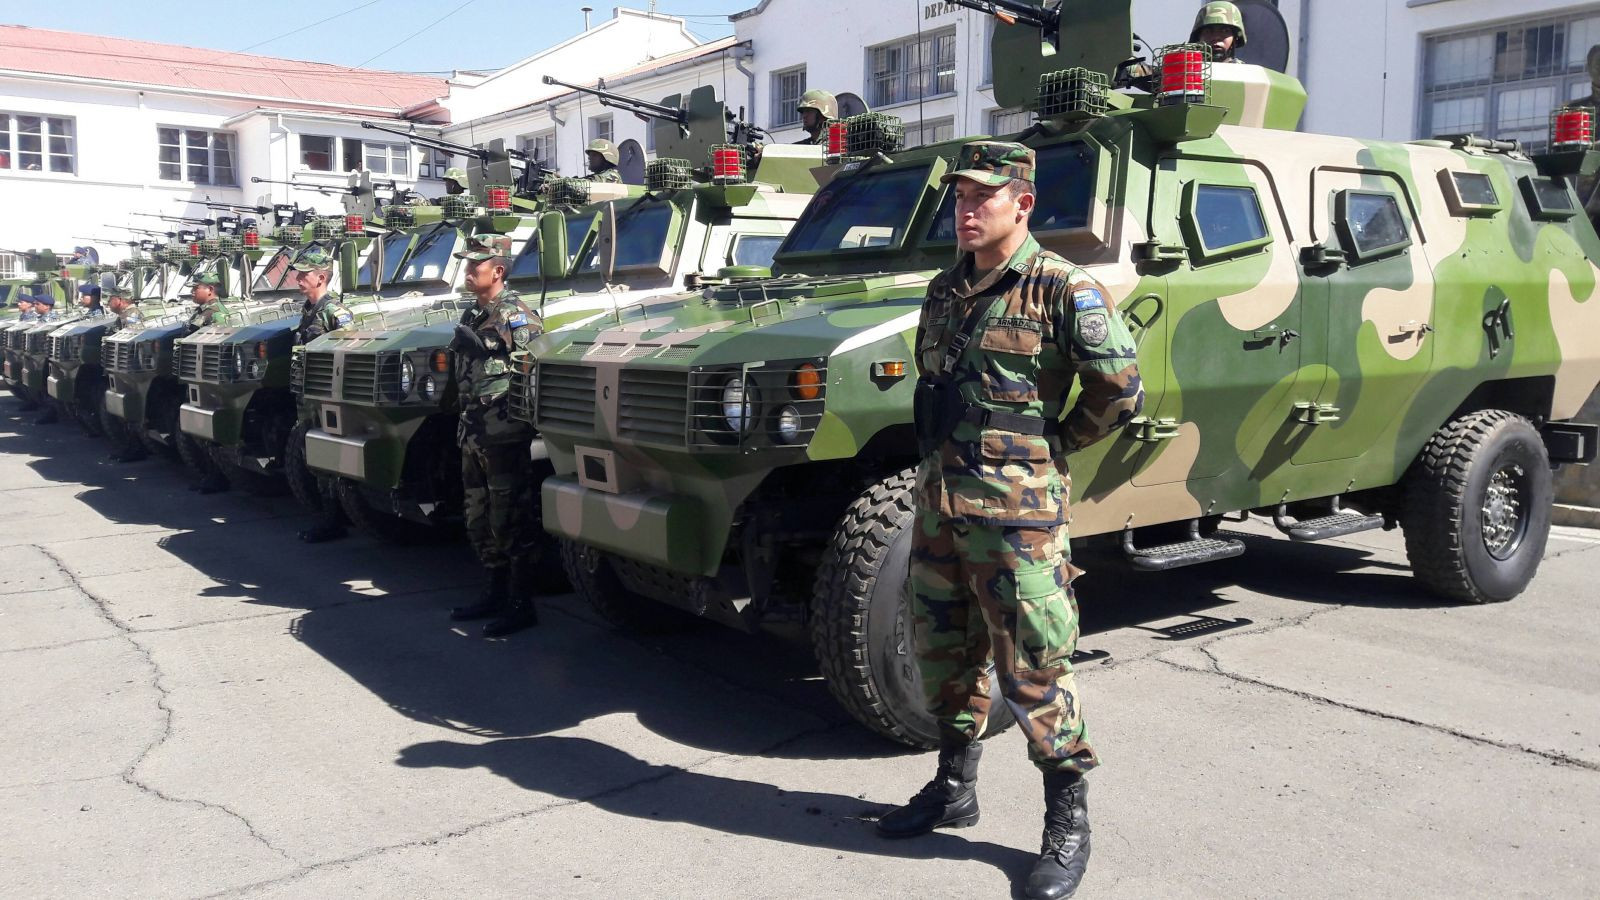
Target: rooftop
(290,82)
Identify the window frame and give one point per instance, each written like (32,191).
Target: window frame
(873,81)
(932,170)
(1459,206)
(1536,207)
(1347,240)
(1203,253)
(783,110)
(594,132)
(528,143)
(184,149)
(434,164)
(333,149)
(391,151)
(11,139)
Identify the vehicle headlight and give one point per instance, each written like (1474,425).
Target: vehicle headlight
(408,375)
(147,353)
(788,424)
(256,369)
(241,360)
(430,388)
(736,404)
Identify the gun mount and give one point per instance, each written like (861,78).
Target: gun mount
(686,126)
(493,163)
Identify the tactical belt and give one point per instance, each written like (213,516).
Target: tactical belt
(1004,421)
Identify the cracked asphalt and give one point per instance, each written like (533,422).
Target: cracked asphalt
(197,705)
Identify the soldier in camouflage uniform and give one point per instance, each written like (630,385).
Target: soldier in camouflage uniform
(207,305)
(121,305)
(602,160)
(1003,333)
(817,109)
(455,181)
(1220,26)
(321,313)
(496,467)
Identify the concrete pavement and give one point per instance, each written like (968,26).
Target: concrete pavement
(196,704)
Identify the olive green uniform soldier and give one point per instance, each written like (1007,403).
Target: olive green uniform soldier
(127,312)
(1003,335)
(208,309)
(1220,26)
(601,157)
(455,181)
(321,313)
(496,467)
(817,108)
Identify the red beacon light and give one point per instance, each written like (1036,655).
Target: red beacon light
(251,238)
(838,138)
(1185,75)
(194,249)
(727,164)
(498,199)
(1572,129)
(354,225)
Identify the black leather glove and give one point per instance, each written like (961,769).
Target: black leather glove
(468,343)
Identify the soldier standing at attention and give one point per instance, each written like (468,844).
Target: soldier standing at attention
(817,109)
(45,303)
(1002,335)
(496,468)
(1220,26)
(207,308)
(321,313)
(122,306)
(602,160)
(89,299)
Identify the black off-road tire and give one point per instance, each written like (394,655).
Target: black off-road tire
(302,481)
(118,432)
(88,407)
(375,523)
(194,454)
(163,413)
(260,484)
(861,628)
(1446,493)
(593,579)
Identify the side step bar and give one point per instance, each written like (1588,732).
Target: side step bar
(1194,551)
(1337,523)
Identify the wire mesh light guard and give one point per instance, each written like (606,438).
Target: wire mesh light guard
(867,134)
(1185,74)
(1572,128)
(727,164)
(668,174)
(497,198)
(1076,92)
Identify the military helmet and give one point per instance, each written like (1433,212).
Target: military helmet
(606,149)
(823,102)
(457,175)
(1220,12)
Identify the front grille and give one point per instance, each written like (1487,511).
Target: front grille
(768,389)
(297,370)
(38,342)
(361,377)
(564,397)
(522,390)
(60,346)
(119,356)
(211,363)
(186,362)
(318,376)
(653,405)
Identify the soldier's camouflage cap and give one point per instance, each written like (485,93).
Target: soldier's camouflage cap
(313,259)
(992,163)
(486,246)
(210,279)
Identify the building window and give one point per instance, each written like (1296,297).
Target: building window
(434,164)
(787,86)
(909,69)
(1503,82)
(38,143)
(10,266)
(1009,121)
(931,131)
(388,159)
(600,128)
(541,146)
(195,155)
(316,152)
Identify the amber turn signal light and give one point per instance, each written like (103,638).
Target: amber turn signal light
(439,361)
(807,382)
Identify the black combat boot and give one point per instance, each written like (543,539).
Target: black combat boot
(212,483)
(950,800)
(48,414)
(1065,851)
(518,612)
(327,527)
(490,601)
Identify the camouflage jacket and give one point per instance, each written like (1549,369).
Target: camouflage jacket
(1047,321)
(820,138)
(130,316)
(205,316)
(317,319)
(505,326)
(606,176)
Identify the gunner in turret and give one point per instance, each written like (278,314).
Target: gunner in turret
(1220,26)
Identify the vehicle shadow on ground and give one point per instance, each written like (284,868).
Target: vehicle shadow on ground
(562,767)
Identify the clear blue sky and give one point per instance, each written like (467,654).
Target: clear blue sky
(473,34)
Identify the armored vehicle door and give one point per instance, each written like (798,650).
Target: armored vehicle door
(1233,318)
(1368,333)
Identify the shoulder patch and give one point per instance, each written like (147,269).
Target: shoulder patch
(517,319)
(1088,298)
(1093,328)
(343,318)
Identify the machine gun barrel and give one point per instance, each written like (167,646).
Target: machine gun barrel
(1016,12)
(142,230)
(240,207)
(451,147)
(185,220)
(627,104)
(319,188)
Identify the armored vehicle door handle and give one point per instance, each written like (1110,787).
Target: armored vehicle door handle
(1272,333)
(1307,412)
(1151,430)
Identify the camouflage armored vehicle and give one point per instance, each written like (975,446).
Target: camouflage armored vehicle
(77,378)
(1334,334)
(394,449)
(49,274)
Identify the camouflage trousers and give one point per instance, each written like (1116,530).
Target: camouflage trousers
(498,481)
(982,593)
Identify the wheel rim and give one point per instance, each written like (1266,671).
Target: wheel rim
(1504,516)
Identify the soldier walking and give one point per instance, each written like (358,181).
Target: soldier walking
(601,157)
(496,468)
(1002,335)
(321,313)
(1220,26)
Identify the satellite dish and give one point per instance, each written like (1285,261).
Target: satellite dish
(88,255)
(850,105)
(1266,35)
(630,162)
